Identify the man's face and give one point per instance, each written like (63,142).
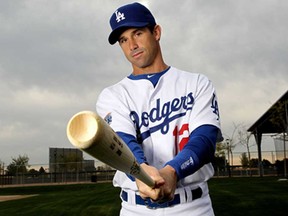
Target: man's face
(140,46)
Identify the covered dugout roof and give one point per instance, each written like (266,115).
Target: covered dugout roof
(272,120)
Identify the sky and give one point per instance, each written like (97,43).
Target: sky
(55,59)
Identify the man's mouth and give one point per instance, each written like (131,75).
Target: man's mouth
(136,53)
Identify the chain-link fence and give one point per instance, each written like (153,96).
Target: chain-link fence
(56,177)
(69,173)
(247,164)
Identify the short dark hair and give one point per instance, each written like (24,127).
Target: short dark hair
(151,28)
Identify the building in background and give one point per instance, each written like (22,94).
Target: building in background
(69,160)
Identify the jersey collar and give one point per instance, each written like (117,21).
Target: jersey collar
(152,77)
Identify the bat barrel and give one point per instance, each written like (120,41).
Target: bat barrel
(82,129)
(89,132)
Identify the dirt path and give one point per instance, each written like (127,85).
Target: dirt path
(15,197)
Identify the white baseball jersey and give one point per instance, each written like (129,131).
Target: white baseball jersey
(164,108)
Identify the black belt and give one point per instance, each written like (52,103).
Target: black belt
(196,194)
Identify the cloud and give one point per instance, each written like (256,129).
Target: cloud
(240,45)
(55,59)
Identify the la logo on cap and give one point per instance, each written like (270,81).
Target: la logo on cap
(119,16)
(132,15)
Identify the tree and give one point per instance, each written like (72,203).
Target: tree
(244,160)
(244,138)
(280,167)
(219,161)
(220,149)
(277,113)
(41,170)
(1,168)
(266,163)
(230,144)
(18,165)
(33,172)
(254,163)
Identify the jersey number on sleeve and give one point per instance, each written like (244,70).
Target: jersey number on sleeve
(181,134)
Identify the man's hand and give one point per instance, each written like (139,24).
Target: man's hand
(165,184)
(168,189)
(145,191)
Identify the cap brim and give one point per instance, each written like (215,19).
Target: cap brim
(115,34)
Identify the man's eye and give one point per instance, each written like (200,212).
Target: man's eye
(138,33)
(122,40)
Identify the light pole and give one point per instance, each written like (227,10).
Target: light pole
(228,152)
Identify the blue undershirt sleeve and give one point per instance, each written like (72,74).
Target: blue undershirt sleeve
(198,151)
(134,146)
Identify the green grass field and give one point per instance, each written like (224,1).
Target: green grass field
(230,196)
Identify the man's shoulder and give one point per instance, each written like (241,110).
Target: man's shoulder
(186,74)
(115,89)
(118,85)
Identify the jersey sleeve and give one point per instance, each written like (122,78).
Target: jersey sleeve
(111,108)
(205,108)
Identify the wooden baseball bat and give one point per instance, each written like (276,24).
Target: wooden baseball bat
(87,131)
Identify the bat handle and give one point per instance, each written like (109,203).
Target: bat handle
(144,177)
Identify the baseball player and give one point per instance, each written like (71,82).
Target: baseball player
(169,118)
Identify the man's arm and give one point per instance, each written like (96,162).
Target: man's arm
(198,151)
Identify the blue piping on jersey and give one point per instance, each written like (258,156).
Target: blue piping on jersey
(152,77)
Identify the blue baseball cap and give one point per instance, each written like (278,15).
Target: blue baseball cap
(133,15)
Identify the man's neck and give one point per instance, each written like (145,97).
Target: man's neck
(150,69)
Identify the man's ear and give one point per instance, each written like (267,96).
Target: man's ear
(157,32)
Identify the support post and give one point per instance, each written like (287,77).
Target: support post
(258,138)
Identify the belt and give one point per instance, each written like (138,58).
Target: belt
(196,194)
